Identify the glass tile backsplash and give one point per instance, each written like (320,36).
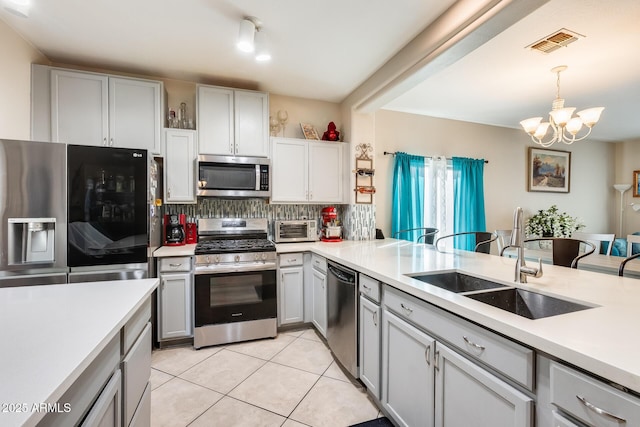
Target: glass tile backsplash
(358,220)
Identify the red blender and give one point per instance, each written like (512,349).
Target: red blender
(331,231)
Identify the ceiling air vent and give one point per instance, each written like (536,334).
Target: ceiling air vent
(560,38)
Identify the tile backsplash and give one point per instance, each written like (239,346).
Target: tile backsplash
(358,220)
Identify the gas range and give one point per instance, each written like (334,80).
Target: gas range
(235,282)
(233,244)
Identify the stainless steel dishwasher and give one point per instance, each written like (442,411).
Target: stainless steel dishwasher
(342,311)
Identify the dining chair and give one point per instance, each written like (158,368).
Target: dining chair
(482,240)
(426,233)
(596,239)
(631,239)
(566,251)
(503,240)
(624,262)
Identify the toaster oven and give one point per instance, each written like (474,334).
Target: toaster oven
(295,231)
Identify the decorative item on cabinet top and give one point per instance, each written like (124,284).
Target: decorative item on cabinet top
(364,174)
(179,120)
(309,131)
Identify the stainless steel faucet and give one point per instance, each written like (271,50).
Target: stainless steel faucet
(517,240)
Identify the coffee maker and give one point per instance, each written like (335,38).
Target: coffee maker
(331,231)
(174,229)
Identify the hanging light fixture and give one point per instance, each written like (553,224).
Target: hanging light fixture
(565,127)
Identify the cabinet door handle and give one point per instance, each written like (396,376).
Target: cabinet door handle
(104,142)
(236,148)
(427,355)
(366,288)
(436,357)
(600,411)
(111,142)
(472,344)
(175,265)
(375,318)
(409,310)
(310,195)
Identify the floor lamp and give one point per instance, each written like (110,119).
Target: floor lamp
(621,188)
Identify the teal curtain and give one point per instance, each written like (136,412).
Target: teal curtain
(468,200)
(408,195)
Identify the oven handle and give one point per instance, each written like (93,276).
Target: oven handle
(234,268)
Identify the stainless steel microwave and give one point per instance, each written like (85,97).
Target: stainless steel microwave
(295,231)
(226,176)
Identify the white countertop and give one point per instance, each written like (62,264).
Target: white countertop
(602,340)
(50,334)
(165,251)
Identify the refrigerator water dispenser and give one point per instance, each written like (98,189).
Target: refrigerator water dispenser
(31,240)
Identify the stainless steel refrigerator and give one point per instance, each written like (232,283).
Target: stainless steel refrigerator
(108,213)
(155,211)
(33,204)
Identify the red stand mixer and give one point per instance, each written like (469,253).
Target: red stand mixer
(331,231)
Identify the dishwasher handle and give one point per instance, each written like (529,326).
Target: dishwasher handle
(341,275)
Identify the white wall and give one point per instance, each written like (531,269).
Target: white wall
(591,196)
(15,83)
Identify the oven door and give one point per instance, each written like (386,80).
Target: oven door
(235,297)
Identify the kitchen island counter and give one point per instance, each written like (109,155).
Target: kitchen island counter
(600,340)
(51,334)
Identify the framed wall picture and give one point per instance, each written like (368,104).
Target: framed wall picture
(636,183)
(549,170)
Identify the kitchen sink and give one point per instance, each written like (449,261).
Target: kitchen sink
(457,282)
(527,304)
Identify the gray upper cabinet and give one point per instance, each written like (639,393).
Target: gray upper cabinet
(79,108)
(232,122)
(84,108)
(135,114)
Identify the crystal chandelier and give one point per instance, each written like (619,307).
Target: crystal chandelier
(564,126)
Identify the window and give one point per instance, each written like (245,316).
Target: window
(438,200)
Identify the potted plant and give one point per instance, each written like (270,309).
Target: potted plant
(552,223)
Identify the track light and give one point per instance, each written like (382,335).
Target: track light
(245,37)
(262,53)
(18,7)
(251,38)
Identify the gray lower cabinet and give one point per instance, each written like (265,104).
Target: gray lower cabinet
(319,286)
(175,298)
(290,289)
(369,342)
(592,402)
(136,367)
(407,372)
(106,411)
(468,395)
(425,382)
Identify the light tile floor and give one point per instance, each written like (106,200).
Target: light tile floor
(288,381)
